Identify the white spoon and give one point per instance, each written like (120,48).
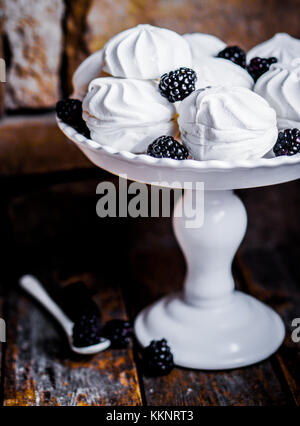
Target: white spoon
(33,286)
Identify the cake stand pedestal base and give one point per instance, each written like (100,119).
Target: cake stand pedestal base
(240,333)
(210,325)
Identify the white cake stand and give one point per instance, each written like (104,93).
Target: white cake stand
(209,325)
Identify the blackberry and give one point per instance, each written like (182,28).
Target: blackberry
(70,112)
(87,331)
(83,129)
(167,147)
(234,54)
(288,143)
(272,60)
(158,358)
(258,66)
(118,332)
(177,85)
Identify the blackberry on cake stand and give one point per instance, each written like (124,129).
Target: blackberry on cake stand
(209,325)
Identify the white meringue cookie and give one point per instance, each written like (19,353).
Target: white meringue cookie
(282,46)
(221,72)
(87,71)
(280,86)
(135,139)
(127,114)
(203,45)
(227,123)
(113,100)
(145,52)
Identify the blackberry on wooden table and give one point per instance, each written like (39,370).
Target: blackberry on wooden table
(158,358)
(119,332)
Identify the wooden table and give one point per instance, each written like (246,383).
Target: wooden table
(49,223)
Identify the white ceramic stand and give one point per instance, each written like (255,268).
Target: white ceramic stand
(209,325)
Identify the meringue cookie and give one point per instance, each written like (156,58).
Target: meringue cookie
(221,72)
(280,86)
(282,46)
(88,70)
(115,100)
(126,113)
(135,139)
(145,52)
(203,45)
(227,123)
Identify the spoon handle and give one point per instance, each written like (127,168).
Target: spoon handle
(35,288)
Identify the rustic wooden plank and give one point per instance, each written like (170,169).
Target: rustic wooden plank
(156,271)
(270,263)
(253,386)
(36,145)
(267,277)
(41,371)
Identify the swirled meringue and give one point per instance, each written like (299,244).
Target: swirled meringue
(203,45)
(134,139)
(127,114)
(145,52)
(280,86)
(282,46)
(227,123)
(221,72)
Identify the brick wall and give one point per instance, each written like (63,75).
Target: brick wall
(43,41)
